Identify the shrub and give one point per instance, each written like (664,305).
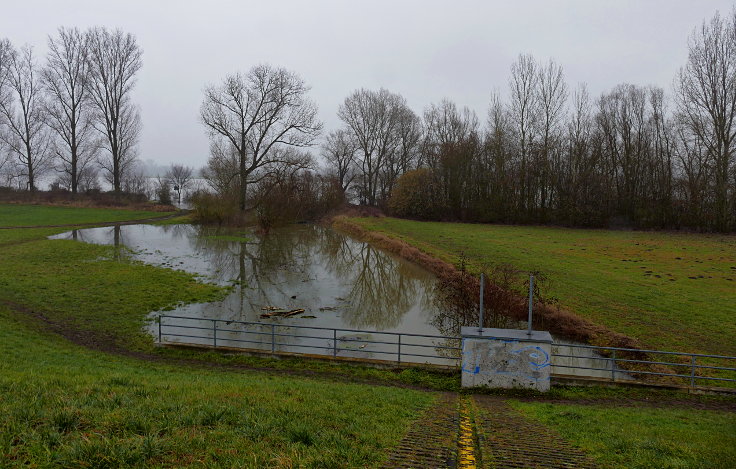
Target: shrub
(415,195)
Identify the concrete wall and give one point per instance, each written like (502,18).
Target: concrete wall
(506,358)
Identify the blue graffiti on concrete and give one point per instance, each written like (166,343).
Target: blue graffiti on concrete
(536,356)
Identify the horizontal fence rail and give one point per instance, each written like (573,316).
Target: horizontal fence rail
(396,347)
(571,360)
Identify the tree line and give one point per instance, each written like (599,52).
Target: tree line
(634,156)
(72,113)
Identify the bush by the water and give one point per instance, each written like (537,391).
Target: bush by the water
(414,195)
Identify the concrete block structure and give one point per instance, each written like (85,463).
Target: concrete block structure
(506,358)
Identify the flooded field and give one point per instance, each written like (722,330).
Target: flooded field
(339,282)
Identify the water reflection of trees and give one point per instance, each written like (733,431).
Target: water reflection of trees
(266,269)
(382,289)
(377,289)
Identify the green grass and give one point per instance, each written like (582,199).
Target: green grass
(63,405)
(41,215)
(672,291)
(640,437)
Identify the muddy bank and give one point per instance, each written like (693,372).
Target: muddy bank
(558,321)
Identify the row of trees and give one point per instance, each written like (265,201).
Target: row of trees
(73,113)
(547,153)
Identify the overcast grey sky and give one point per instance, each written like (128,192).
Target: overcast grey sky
(424,50)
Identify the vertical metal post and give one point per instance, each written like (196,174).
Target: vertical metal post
(334,343)
(399,350)
(692,371)
(273,338)
(214,333)
(159,329)
(531,305)
(613,365)
(482,291)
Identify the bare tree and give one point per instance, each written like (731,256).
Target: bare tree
(114,60)
(373,119)
(6,50)
(524,115)
(706,92)
(551,98)
(65,79)
(257,113)
(22,114)
(339,151)
(179,176)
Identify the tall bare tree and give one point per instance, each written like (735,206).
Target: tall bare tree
(339,150)
(551,98)
(706,91)
(23,119)
(256,113)
(65,78)
(6,50)
(524,114)
(114,60)
(373,119)
(179,176)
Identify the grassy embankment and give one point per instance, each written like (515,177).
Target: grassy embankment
(62,404)
(65,405)
(35,215)
(672,291)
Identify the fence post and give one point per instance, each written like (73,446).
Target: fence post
(214,333)
(334,343)
(482,310)
(531,305)
(399,343)
(159,328)
(613,366)
(692,371)
(273,338)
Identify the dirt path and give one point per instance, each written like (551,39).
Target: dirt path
(102,223)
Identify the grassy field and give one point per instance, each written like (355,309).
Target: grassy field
(671,291)
(41,215)
(64,404)
(640,437)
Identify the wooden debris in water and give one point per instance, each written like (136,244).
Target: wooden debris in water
(282,313)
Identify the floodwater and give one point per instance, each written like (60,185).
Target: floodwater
(340,283)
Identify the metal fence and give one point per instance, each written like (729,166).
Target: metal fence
(577,360)
(638,364)
(336,342)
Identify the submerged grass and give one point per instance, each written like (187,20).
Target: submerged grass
(670,290)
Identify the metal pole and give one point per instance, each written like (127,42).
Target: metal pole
(214,333)
(273,338)
(531,304)
(482,290)
(399,348)
(159,329)
(334,343)
(613,366)
(692,371)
